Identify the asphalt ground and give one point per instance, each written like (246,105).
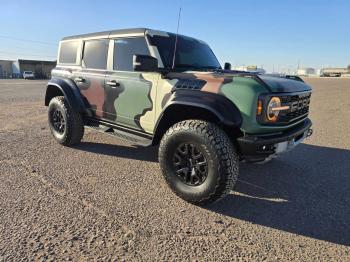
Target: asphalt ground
(106,199)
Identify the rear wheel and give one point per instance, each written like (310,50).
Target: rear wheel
(66,125)
(198,161)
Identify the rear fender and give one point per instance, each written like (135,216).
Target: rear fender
(67,88)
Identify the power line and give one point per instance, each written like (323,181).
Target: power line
(27,40)
(14,53)
(29,49)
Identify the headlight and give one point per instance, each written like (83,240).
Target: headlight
(273,109)
(269,110)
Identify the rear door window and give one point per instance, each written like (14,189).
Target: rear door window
(95,54)
(124,49)
(68,52)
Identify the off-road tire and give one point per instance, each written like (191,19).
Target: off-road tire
(74,126)
(222,159)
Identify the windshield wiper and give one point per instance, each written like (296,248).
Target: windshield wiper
(186,65)
(202,68)
(213,68)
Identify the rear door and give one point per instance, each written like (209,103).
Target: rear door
(130,95)
(91,78)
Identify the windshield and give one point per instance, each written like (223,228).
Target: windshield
(190,53)
(28,72)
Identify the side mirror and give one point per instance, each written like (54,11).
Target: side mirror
(145,63)
(227,66)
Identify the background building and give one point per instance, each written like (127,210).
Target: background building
(336,72)
(6,69)
(15,69)
(250,68)
(306,71)
(41,69)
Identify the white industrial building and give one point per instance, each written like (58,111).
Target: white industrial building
(306,71)
(250,68)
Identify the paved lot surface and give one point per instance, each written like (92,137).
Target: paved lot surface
(106,198)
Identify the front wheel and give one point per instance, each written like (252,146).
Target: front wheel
(198,161)
(66,125)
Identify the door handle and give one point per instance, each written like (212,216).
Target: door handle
(79,79)
(113,83)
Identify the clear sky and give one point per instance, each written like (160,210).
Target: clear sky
(275,34)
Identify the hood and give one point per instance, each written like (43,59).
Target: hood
(286,84)
(213,81)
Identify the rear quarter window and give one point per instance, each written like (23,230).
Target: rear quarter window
(68,52)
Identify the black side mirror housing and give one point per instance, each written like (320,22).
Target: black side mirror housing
(227,66)
(145,63)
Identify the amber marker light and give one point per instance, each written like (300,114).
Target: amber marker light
(259,108)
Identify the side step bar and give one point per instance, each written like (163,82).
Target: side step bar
(136,139)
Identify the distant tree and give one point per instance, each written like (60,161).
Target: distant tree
(349,68)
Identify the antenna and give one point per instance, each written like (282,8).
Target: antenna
(177,32)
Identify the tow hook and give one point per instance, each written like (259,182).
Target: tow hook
(309,132)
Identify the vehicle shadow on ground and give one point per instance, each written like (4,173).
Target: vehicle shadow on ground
(305,192)
(131,152)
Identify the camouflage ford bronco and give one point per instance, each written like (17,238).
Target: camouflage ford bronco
(157,88)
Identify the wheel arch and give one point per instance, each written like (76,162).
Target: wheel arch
(51,92)
(202,106)
(68,89)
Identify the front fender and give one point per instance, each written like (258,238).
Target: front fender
(226,111)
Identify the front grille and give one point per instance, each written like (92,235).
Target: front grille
(299,107)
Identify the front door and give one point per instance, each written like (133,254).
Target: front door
(90,79)
(130,96)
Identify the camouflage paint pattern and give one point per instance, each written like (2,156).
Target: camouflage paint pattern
(141,97)
(111,95)
(129,104)
(136,100)
(93,90)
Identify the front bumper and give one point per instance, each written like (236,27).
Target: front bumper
(257,148)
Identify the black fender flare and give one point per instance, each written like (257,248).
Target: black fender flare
(70,91)
(223,108)
(220,106)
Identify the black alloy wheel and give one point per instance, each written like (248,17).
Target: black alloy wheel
(57,120)
(190,164)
